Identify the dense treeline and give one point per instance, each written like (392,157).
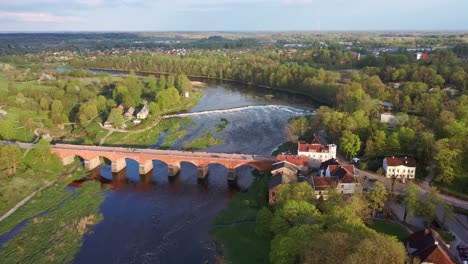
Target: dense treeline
(267,69)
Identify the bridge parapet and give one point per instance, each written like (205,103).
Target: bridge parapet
(145,157)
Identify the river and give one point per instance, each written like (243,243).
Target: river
(162,220)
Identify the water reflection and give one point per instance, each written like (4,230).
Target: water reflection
(155,218)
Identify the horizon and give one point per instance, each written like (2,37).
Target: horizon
(232,16)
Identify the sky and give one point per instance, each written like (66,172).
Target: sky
(232,15)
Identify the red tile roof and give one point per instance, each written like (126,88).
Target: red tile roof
(401,161)
(344,173)
(324,165)
(429,247)
(323,183)
(312,148)
(296,160)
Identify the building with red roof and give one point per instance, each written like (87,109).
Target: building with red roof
(429,247)
(316,152)
(400,167)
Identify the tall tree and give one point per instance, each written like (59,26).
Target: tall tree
(10,158)
(411,200)
(6,129)
(429,206)
(377,197)
(350,144)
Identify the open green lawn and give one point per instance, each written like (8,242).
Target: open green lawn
(389,228)
(241,245)
(234,227)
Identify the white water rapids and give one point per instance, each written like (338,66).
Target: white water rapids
(240,109)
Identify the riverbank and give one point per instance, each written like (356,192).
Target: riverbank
(56,235)
(324,101)
(234,227)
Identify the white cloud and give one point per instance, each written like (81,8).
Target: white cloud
(36,17)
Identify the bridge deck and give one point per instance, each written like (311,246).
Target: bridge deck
(178,153)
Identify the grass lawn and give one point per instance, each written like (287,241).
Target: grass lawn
(389,228)
(241,245)
(238,238)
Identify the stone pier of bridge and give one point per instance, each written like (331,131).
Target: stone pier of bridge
(118,165)
(145,167)
(232,174)
(173,169)
(202,171)
(91,164)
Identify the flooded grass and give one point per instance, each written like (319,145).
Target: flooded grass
(55,237)
(207,139)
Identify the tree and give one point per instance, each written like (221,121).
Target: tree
(329,248)
(263,222)
(410,200)
(292,213)
(296,128)
(42,150)
(10,158)
(429,206)
(350,144)
(170,81)
(449,213)
(87,112)
(377,197)
(369,251)
(183,84)
(289,247)
(162,82)
(116,117)
(446,161)
(56,110)
(300,191)
(6,129)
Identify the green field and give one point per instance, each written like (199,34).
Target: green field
(234,227)
(389,228)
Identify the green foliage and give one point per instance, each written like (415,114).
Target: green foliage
(350,144)
(296,128)
(429,206)
(205,140)
(263,222)
(10,158)
(116,117)
(377,196)
(293,213)
(299,191)
(411,200)
(6,129)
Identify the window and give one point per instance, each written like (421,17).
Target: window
(273,194)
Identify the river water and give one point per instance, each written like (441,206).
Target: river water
(157,219)
(162,220)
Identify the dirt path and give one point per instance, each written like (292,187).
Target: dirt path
(103,140)
(30,196)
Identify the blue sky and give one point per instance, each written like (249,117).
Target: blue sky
(234,15)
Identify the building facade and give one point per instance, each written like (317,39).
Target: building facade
(399,167)
(317,152)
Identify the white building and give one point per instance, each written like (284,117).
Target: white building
(388,118)
(317,152)
(400,167)
(143,114)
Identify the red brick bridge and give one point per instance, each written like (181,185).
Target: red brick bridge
(92,159)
